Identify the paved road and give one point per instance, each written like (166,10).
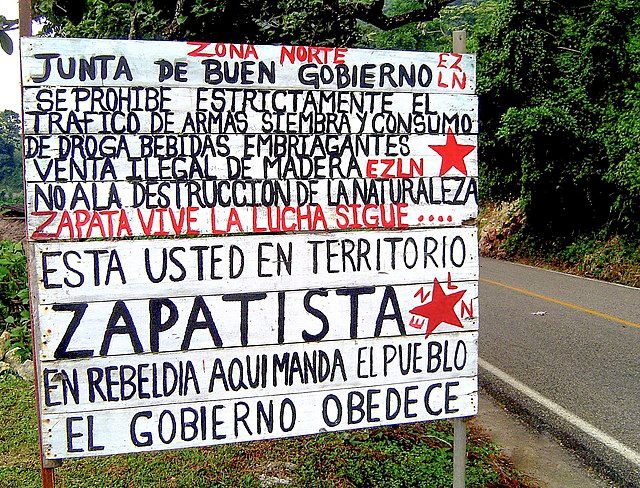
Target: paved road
(574,369)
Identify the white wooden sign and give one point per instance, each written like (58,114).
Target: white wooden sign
(96,384)
(99,157)
(225,111)
(235,242)
(81,62)
(86,271)
(161,208)
(208,423)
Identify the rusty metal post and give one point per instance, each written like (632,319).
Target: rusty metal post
(25,18)
(46,466)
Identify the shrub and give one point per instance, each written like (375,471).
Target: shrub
(14,298)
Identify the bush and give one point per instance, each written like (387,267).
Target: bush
(14,298)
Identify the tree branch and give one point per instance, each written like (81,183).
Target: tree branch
(174,26)
(132,24)
(373,13)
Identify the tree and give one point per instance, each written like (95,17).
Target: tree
(318,22)
(10,157)
(473,16)
(558,90)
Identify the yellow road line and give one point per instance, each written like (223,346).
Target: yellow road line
(606,316)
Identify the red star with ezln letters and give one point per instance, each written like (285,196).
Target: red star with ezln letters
(453,154)
(440,309)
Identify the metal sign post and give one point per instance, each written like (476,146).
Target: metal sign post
(459,424)
(25,18)
(47,466)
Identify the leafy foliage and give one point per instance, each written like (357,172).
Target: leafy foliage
(5,41)
(318,22)
(435,35)
(14,297)
(10,158)
(101,18)
(559,102)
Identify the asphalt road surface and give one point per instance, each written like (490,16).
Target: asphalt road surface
(564,352)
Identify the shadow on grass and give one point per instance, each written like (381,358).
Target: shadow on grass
(398,456)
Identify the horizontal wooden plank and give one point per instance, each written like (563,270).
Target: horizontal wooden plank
(455,191)
(108,270)
(161,208)
(72,329)
(225,421)
(81,62)
(101,110)
(257,156)
(143,380)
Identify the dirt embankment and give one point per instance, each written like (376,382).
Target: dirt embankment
(498,222)
(12,224)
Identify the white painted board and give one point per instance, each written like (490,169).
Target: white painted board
(204,157)
(180,426)
(120,270)
(139,63)
(71,329)
(202,110)
(118,147)
(152,208)
(143,380)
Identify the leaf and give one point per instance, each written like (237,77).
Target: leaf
(6,42)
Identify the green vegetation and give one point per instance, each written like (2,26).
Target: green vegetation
(316,22)
(504,234)
(609,258)
(412,455)
(14,298)
(435,34)
(5,26)
(559,105)
(10,158)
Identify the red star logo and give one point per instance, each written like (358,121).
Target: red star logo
(453,154)
(440,309)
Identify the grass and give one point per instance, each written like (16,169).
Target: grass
(609,258)
(411,455)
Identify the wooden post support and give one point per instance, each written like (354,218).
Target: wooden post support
(459,451)
(460,41)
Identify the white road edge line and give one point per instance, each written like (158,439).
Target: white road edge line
(584,426)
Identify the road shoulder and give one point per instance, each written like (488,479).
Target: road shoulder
(536,454)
